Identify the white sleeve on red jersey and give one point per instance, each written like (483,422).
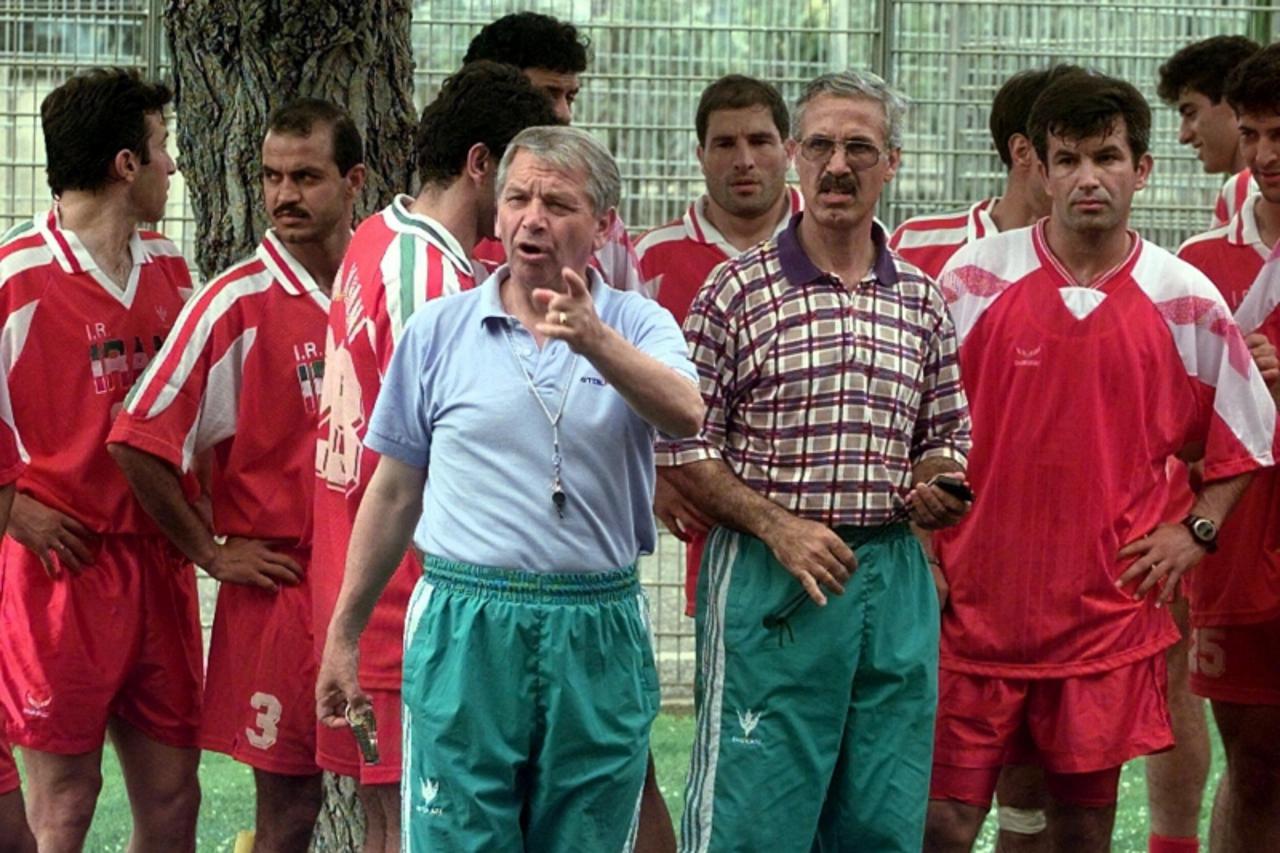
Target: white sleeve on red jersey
(1242,427)
(618,261)
(981,271)
(1263,296)
(22,252)
(1231,197)
(188,398)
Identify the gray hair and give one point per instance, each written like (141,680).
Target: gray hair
(570,150)
(856,84)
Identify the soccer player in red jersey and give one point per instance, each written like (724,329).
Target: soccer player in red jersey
(1235,598)
(744,151)
(552,54)
(930,241)
(1192,81)
(239,380)
(1054,634)
(414,250)
(101,632)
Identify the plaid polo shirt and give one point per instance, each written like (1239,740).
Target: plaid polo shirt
(819,396)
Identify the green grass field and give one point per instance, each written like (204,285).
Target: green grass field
(228,796)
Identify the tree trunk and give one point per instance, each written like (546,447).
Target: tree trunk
(340,828)
(235,61)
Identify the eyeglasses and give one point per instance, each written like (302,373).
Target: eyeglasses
(857,153)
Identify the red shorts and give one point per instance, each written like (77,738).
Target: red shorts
(1237,663)
(9,781)
(1070,725)
(122,638)
(692,563)
(336,749)
(259,698)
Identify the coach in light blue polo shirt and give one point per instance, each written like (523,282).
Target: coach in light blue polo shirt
(533,403)
(458,393)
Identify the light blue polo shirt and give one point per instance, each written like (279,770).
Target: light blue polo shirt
(456,403)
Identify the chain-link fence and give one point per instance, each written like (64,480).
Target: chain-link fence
(650,61)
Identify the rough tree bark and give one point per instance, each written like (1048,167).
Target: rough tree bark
(235,61)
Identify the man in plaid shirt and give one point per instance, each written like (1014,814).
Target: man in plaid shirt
(828,366)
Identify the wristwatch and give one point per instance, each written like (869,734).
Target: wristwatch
(1203,530)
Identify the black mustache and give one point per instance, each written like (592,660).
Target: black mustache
(847,184)
(290,209)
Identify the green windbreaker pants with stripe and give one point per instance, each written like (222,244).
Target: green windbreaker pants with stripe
(814,733)
(528,699)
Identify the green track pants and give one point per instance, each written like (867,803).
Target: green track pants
(814,733)
(528,699)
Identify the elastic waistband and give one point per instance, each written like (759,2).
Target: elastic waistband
(532,587)
(855,536)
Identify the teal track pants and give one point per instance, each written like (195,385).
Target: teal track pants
(816,733)
(528,699)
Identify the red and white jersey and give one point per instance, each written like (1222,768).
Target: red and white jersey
(1231,255)
(1231,197)
(241,374)
(675,259)
(397,261)
(1240,583)
(930,241)
(1079,396)
(615,260)
(72,344)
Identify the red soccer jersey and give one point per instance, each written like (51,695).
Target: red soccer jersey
(1231,197)
(241,374)
(1079,396)
(1231,255)
(395,263)
(930,241)
(675,259)
(72,345)
(1240,583)
(616,259)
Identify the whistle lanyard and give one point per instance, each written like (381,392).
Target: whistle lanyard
(558,496)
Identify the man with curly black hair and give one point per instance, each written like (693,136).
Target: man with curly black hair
(550,52)
(1193,80)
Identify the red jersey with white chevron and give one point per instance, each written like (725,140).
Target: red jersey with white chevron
(1240,583)
(73,343)
(1230,255)
(616,259)
(1231,197)
(397,261)
(241,374)
(1079,396)
(675,259)
(930,241)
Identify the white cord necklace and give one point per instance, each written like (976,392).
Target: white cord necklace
(558,496)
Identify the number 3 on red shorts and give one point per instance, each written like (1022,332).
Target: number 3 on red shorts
(269,710)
